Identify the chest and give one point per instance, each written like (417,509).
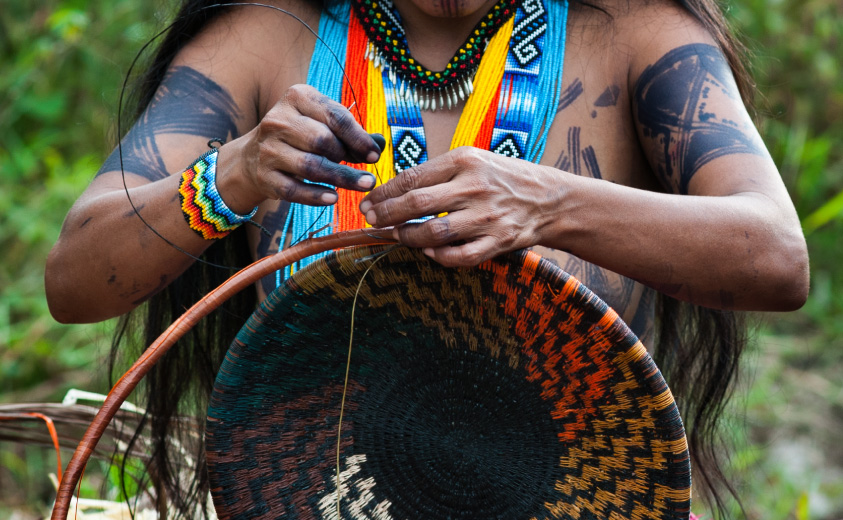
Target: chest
(592,134)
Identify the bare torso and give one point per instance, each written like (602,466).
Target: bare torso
(593,135)
(670,185)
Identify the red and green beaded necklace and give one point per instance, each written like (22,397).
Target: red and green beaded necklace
(388,45)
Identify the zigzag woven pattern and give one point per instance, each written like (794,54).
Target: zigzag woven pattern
(507,391)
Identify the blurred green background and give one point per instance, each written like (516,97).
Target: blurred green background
(61,68)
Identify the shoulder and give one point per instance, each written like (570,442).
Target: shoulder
(248,48)
(651,30)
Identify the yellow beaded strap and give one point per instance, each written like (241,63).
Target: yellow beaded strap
(486,83)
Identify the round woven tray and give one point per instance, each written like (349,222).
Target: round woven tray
(506,391)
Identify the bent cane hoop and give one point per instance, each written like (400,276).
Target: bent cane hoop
(154,352)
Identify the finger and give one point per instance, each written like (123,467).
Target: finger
(287,188)
(434,232)
(434,172)
(315,105)
(465,255)
(418,203)
(306,166)
(309,135)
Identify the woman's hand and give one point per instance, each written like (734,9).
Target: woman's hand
(495,204)
(302,138)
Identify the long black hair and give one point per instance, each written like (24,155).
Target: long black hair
(698,349)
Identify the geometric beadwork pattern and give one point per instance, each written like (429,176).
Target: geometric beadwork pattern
(410,150)
(504,391)
(507,144)
(517,110)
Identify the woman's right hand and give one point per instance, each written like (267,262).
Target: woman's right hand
(304,137)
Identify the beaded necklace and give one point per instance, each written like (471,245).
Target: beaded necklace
(512,101)
(427,88)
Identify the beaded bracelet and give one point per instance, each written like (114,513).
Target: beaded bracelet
(204,210)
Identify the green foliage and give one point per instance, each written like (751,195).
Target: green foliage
(789,464)
(62,64)
(796,48)
(62,68)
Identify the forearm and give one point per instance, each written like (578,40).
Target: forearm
(739,251)
(107,260)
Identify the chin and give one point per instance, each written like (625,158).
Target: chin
(451,8)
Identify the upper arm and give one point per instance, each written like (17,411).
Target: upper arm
(212,89)
(693,126)
(188,107)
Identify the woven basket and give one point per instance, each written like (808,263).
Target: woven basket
(506,391)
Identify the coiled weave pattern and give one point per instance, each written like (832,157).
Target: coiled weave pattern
(504,391)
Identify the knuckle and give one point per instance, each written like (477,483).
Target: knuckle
(481,183)
(506,238)
(465,156)
(311,164)
(494,214)
(340,119)
(471,256)
(383,212)
(297,92)
(273,124)
(408,180)
(440,229)
(323,144)
(288,191)
(419,200)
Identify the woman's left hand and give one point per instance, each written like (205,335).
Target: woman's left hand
(494,204)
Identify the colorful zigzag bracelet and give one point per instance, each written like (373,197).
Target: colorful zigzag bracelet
(204,210)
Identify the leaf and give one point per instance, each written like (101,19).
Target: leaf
(70,24)
(824,214)
(803,507)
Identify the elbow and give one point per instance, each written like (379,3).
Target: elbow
(63,295)
(59,301)
(789,276)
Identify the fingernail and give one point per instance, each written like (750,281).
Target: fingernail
(371,218)
(366,181)
(329,198)
(428,251)
(373,157)
(379,140)
(364,206)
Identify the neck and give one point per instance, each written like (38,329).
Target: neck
(433,40)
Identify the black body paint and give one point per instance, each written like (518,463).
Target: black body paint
(269,245)
(679,130)
(609,97)
(577,160)
(570,95)
(133,212)
(187,102)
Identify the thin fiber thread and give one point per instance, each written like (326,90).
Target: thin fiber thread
(347,370)
(616,449)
